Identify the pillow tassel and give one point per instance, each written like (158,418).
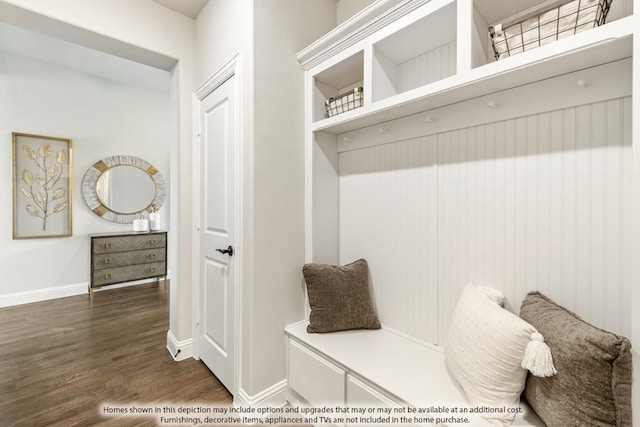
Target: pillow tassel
(537,357)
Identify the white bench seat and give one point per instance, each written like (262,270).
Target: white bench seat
(407,372)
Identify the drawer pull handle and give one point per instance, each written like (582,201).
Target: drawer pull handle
(107,276)
(154,241)
(107,245)
(153,256)
(107,260)
(153,269)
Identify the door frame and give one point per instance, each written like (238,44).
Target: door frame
(233,68)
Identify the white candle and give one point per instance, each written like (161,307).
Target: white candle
(154,221)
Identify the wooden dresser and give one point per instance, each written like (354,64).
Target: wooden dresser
(125,257)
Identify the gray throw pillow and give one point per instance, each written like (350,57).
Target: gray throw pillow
(339,297)
(593,383)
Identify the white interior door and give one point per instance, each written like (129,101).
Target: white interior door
(217,232)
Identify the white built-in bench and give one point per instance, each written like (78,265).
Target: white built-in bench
(373,368)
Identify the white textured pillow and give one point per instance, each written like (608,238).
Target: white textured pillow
(484,351)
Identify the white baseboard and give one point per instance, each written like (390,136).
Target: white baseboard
(179,350)
(274,396)
(45,294)
(127,284)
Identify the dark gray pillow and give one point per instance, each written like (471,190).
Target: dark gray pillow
(339,297)
(593,383)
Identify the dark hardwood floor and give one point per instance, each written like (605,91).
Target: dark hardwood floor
(62,360)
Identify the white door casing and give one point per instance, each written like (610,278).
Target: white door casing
(217,265)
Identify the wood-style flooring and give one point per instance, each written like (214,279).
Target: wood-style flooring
(62,360)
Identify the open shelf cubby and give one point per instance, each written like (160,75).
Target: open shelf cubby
(336,80)
(418,54)
(536,17)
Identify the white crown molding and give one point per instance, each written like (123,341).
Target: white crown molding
(368,21)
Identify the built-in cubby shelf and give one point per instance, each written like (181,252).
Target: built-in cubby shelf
(515,173)
(408,58)
(411,65)
(338,79)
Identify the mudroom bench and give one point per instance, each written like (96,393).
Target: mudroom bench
(375,368)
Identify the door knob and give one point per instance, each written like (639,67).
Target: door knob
(228,251)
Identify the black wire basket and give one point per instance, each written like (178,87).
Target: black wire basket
(553,21)
(345,102)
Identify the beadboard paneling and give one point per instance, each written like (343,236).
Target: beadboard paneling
(538,202)
(428,67)
(388,216)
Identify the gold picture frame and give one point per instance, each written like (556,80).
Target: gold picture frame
(42,186)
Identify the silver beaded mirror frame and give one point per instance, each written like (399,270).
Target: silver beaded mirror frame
(92,177)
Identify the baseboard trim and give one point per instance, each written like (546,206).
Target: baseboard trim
(179,350)
(37,295)
(128,284)
(273,396)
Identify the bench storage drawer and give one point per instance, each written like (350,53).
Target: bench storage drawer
(362,395)
(314,378)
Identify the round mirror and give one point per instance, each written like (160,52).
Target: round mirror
(121,188)
(125,189)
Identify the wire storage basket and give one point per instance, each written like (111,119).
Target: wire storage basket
(552,21)
(345,102)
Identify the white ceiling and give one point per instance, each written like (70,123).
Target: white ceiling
(190,8)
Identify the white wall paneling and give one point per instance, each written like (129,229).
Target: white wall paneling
(388,216)
(325,205)
(428,67)
(540,202)
(536,97)
(632,297)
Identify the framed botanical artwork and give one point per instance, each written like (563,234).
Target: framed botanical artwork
(42,186)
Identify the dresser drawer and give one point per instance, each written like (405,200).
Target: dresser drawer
(314,378)
(107,276)
(119,259)
(103,245)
